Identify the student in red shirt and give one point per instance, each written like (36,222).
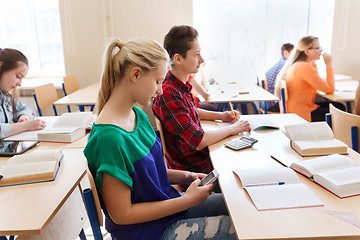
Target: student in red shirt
(186,142)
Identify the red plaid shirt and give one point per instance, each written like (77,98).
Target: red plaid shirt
(176,110)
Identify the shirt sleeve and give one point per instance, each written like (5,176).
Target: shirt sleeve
(175,116)
(312,77)
(5,129)
(111,161)
(22,109)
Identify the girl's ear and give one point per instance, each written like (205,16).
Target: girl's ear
(135,73)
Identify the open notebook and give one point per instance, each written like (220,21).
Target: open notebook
(276,188)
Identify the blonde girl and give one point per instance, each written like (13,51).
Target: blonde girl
(125,156)
(303,81)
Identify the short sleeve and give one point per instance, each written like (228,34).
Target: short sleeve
(108,157)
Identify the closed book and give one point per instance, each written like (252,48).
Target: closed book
(62,134)
(337,173)
(33,167)
(68,128)
(313,139)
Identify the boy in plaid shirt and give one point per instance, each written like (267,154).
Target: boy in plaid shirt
(186,142)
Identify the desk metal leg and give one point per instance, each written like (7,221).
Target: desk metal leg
(82,235)
(4,238)
(81,108)
(348,106)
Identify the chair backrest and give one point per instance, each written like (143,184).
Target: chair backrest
(93,208)
(283,96)
(71,84)
(45,96)
(159,128)
(342,125)
(264,84)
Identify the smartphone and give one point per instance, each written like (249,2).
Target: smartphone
(210,178)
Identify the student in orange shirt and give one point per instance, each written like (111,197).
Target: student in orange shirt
(303,80)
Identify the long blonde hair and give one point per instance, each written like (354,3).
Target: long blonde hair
(298,54)
(141,52)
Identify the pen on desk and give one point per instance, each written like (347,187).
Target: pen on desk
(265,184)
(232,110)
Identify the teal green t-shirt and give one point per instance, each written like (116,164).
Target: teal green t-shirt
(135,158)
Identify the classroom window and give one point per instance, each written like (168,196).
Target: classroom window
(241,39)
(33,27)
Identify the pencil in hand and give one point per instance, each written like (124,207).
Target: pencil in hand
(232,110)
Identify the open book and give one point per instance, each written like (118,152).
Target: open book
(276,188)
(316,138)
(261,123)
(37,166)
(68,128)
(337,173)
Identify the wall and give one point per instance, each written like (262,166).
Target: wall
(87,26)
(345,41)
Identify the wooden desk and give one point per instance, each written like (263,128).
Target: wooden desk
(297,223)
(83,96)
(43,208)
(238,94)
(231,94)
(344,92)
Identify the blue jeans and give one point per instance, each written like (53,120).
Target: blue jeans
(210,220)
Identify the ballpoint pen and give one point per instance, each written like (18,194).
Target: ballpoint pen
(265,184)
(232,110)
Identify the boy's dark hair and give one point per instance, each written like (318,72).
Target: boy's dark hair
(286,46)
(178,40)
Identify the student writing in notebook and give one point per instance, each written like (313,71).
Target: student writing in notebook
(125,157)
(15,117)
(186,142)
(303,80)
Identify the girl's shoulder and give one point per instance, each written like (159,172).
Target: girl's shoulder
(303,64)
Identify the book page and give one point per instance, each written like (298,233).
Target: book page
(75,119)
(69,129)
(326,163)
(283,196)
(314,144)
(36,156)
(340,177)
(266,175)
(309,131)
(256,123)
(32,135)
(15,171)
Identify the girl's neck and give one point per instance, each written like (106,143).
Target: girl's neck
(118,110)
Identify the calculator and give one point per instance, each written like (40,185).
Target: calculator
(241,143)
